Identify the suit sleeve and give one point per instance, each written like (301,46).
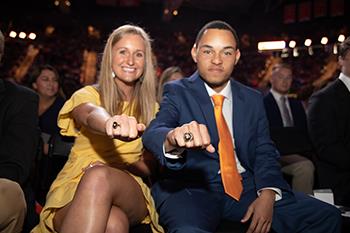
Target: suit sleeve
(166,120)
(19,143)
(323,132)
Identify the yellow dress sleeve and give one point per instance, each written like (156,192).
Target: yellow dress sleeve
(65,121)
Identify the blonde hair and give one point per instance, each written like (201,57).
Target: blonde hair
(144,99)
(164,78)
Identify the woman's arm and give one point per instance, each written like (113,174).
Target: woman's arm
(91,116)
(98,120)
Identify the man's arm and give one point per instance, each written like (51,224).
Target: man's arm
(165,136)
(20,136)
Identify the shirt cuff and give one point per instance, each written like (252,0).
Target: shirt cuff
(278,192)
(174,154)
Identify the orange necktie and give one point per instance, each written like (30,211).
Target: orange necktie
(229,173)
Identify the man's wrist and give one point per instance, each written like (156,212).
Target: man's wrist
(268,193)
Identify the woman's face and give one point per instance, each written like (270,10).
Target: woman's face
(46,83)
(128,59)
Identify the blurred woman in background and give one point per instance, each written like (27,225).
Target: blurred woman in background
(46,81)
(169,74)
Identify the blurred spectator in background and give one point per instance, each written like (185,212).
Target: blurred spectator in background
(169,74)
(329,125)
(288,129)
(46,81)
(18,146)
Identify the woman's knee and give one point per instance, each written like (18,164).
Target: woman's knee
(95,179)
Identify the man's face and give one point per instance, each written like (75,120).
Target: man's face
(216,55)
(344,62)
(281,80)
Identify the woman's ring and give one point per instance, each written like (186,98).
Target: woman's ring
(115,125)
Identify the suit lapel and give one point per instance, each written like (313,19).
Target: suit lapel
(196,85)
(238,110)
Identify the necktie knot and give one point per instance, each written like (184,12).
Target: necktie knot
(283,99)
(218,100)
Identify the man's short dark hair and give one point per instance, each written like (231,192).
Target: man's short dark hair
(344,47)
(217,24)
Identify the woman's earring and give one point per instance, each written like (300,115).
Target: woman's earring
(113,74)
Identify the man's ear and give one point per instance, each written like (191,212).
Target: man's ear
(194,53)
(35,87)
(238,56)
(340,61)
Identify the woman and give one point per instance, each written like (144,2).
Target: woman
(46,81)
(100,189)
(169,74)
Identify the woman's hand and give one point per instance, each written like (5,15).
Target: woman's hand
(124,127)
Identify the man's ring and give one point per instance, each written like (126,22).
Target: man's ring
(188,137)
(115,125)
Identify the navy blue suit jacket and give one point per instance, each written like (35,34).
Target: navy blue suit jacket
(289,140)
(187,100)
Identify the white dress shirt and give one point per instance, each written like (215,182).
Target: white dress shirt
(345,79)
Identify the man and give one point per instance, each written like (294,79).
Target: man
(238,178)
(288,128)
(329,125)
(18,142)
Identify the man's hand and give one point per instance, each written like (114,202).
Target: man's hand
(200,138)
(261,211)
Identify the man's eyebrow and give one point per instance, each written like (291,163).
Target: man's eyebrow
(206,46)
(210,47)
(229,47)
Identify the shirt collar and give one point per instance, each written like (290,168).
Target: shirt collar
(275,94)
(227,91)
(346,80)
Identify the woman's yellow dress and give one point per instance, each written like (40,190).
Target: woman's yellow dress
(89,147)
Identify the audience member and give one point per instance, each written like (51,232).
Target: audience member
(329,125)
(169,74)
(46,81)
(18,145)
(288,129)
(207,175)
(101,182)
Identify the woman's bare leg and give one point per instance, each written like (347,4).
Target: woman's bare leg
(117,221)
(100,189)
